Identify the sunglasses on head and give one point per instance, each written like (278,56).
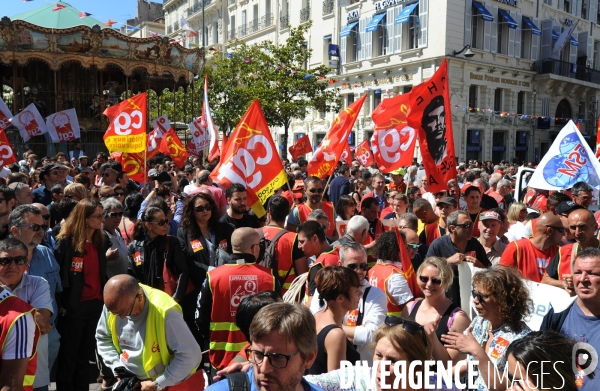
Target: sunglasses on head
(408,325)
(203,208)
(20,260)
(34,227)
(434,281)
(159,222)
(361,266)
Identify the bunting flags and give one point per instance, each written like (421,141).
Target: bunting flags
(7,155)
(5,115)
(302,147)
(597,138)
(393,141)
(213,133)
(250,158)
(407,267)
(127,125)
(84,14)
(363,154)
(327,155)
(430,114)
(63,126)
(568,161)
(58,7)
(172,146)
(29,122)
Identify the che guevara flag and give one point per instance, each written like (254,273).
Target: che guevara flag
(172,146)
(7,155)
(127,125)
(363,154)
(407,266)
(393,141)
(430,113)
(302,147)
(327,155)
(250,158)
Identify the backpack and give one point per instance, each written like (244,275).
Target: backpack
(238,381)
(267,256)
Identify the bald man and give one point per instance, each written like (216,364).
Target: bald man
(223,290)
(583,226)
(142,329)
(532,256)
(424,211)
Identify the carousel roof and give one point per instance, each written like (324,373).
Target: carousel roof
(61,19)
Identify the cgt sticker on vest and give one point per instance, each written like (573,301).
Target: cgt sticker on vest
(240,287)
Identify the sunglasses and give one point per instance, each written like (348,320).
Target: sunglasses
(159,222)
(34,227)
(319,190)
(465,225)
(559,229)
(408,325)
(361,266)
(119,194)
(413,246)
(479,296)
(21,260)
(203,208)
(114,214)
(434,281)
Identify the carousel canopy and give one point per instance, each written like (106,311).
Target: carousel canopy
(61,19)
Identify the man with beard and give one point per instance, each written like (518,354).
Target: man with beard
(434,124)
(7,203)
(313,188)
(237,215)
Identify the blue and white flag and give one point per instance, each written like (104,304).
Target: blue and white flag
(568,161)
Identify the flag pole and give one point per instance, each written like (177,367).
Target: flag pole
(326,186)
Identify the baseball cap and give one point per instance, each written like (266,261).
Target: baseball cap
(465,187)
(46,170)
(447,201)
(489,215)
(152,173)
(399,171)
(567,207)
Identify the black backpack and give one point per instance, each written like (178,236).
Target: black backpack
(238,381)
(267,256)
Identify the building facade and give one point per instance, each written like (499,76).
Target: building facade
(522,84)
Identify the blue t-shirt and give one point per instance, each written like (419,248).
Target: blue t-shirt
(583,328)
(223,385)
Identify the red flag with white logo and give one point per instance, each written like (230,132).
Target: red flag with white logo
(172,146)
(302,147)
(127,125)
(346,155)
(363,154)
(29,122)
(5,115)
(63,126)
(133,165)
(7,155)
(598,139)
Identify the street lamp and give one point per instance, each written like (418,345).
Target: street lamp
(468,53)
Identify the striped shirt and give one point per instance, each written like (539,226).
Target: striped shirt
(20,339)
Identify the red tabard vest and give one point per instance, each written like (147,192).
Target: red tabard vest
(304,210)
(497,197)
(285,247)
(564,258)
(378,276)
(432,232)
(11,309)
(229,284)
(379,230)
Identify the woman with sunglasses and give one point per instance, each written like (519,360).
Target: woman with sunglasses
(120,192)
(502,303)
(345,208)
(76,192)
(436,312)
(80,251)
(116,255)
(339,288)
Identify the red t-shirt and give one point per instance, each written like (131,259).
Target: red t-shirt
(92,289)
(530,260)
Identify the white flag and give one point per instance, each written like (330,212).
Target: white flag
(563,38)
(568,161)
(199,133)
(161,123)
(5,115)
(29,122)
(63,126)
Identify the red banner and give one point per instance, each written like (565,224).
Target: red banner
(7,155)
(172,146)
(133,165)
(407,267)
(393,141)
(363,154)
(250,158)
(346,155)
(327,155)
(598,139)
(302,147)
(191,148)
(127,125)
(430,113)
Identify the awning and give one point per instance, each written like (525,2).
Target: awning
(485,14)
(327,38)
(372,26)
(511,22)
(554,35)
(573,41)
(534,29)
(404,15)
(347,29)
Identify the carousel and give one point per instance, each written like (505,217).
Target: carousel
(59,60)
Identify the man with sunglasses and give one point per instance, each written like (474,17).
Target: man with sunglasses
(49,176)
(313,189)
(532,256)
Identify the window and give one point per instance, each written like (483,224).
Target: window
(326,43)
(473,98)
(521,102)
(412,32)
(380,37)
(498,99)
(525,40)
(349,99)
(502,35)
(352,42)
(305,45)
(406,89)
(232,34)
(567,6)
(548,2)
(268,13)
(584,9)
(477,26)
(596,53)
(215,32)
(244,21)
(376,98)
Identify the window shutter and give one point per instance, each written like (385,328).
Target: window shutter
(518,35)
(535,41)
(487,32)
(576,8)
(573,49)
(511,36)
(582,40)
(494,30)
(561,5)
(468,21)
(361,41)
(423,8)
(343,50)
(593,11)
(590,51)
(368,40)
(398,31)
(389,26)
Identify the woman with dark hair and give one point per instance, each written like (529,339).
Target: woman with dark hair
(339,288)
(81,253)
(345,208)
(502,303)
(131,207)
(360,187)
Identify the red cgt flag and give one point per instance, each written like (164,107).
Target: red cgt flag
(598,139)
(172,146)
(250,158)
(327,155)
(127,125)
(407,267)
(133,165)
(302,147)
(346,155)
(393,141)
(430,113)
(7,155)
(363,154)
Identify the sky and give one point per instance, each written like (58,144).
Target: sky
(117,10)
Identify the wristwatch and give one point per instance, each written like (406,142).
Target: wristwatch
(158,387)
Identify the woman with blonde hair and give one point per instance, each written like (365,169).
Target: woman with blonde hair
(516,216)
(81,253)
(76,192)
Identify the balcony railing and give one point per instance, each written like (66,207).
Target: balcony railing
(198,6)
(284,22)
(328,6)
(304,14)
(563,68)
(175,26)
(170,30)
(255,25)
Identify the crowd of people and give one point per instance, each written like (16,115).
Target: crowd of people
(175,281)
